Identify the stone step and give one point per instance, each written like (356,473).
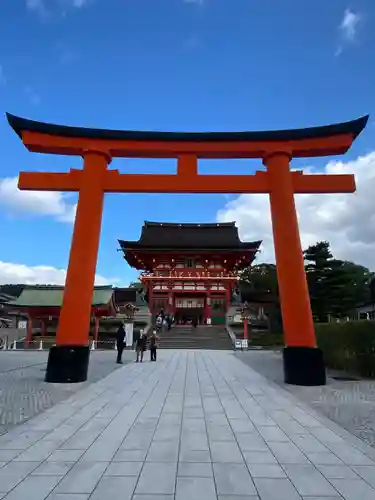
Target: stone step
(202,337)
(197,341)
(192,336)
(192,341)
(207,348)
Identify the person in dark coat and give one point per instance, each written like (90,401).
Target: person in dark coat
(136,337)
(120,342)
(141,346)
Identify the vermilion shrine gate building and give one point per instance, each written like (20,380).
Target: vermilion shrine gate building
(190,270)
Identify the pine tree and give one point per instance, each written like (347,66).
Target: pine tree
(336,287)
(318,271)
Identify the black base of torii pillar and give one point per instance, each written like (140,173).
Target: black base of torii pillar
(304,366)
(67,364)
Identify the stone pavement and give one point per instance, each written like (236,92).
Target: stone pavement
(193,425)
(23,392)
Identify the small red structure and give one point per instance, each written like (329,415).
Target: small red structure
(245,313)
(189,270)
(42,304)
(303,360)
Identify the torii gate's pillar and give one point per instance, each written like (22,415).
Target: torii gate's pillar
(303,360)
(68,360)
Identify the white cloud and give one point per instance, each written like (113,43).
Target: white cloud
(347,221)
(349,24)
(11,273)
(44,8)
(348,29)
(37,6)
(78,4)
(35,203)
(196,2)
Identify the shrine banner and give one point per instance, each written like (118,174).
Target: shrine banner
(129,333)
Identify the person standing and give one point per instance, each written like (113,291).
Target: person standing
(136,337)
(120,342)
(170,321)
(153,345)
(165,322)
(141,346)
(159,322)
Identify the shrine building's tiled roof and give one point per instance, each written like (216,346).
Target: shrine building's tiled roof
(166,235)
(51,296)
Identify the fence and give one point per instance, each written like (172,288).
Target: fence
(46,344)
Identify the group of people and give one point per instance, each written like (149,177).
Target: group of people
(164,320)
(140,341)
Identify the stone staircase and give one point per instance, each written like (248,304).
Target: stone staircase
(201,337)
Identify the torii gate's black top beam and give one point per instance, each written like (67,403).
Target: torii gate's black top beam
(353,127)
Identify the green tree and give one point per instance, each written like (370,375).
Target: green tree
(260,278)
(319,260)
(350,286)
(260,281)
(336,287)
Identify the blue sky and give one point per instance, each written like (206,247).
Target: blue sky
(200,65)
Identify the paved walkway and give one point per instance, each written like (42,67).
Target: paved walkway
(197,425)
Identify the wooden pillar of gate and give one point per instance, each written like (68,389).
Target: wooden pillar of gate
(69,359)
(303,361)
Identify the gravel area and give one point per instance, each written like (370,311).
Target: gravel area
(351,404)
(23,392)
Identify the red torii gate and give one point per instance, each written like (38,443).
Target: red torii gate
(303,360)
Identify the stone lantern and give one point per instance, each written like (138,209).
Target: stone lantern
(245,315)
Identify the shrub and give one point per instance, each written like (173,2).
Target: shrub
(348,346)
(266,339)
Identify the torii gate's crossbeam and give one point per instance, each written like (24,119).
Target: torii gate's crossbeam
(303,361)
(114,182)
